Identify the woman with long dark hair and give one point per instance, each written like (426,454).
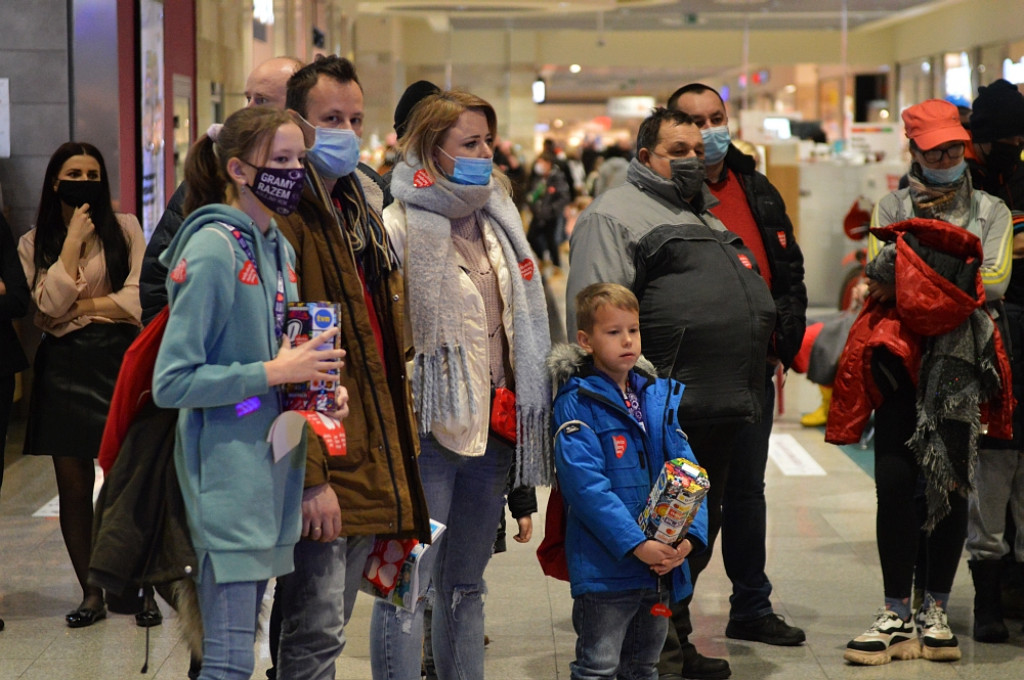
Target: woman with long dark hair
(82,262)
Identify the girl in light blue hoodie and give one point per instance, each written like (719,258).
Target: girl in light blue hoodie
(222,360)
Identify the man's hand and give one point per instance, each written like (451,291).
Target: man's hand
(525,529)
(321,514)
(342,411)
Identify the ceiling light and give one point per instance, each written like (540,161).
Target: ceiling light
(575,68)
(539,91)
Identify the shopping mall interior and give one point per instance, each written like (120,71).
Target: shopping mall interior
(815,86)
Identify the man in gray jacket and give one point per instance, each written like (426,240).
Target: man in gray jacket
(706,314)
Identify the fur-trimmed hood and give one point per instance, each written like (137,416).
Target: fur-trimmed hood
(568,360)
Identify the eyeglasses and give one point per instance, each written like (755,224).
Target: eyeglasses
(955,152)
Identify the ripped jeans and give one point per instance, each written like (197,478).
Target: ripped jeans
(468,495)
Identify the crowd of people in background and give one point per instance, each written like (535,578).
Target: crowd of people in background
(439,262)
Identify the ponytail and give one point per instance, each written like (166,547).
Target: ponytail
(204,181)
(246,134)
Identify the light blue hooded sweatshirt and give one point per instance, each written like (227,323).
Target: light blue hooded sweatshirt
(244,510)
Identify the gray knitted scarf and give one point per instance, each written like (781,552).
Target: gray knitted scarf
(438,316)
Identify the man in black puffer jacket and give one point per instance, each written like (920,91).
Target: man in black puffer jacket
(752,208)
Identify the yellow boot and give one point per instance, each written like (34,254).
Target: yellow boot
(819,416)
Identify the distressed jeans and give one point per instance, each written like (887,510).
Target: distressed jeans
(230,612)
(467,494)
(617,636)
(316,602)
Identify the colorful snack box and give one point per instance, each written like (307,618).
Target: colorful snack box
(674,501)
(305,321)
(392,569)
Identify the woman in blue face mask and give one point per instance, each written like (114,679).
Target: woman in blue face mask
(926,418)
(479,327)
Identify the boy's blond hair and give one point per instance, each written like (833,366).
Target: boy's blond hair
(595,296)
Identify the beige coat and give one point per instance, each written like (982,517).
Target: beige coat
(467,436)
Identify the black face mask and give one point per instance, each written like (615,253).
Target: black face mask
(1003,156)
(76,193)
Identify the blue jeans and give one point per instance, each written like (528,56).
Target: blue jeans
(316,602)
(230,613)
(468,495)
(744,517)
(617,636)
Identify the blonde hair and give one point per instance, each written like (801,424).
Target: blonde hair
(597,295)
(433,117)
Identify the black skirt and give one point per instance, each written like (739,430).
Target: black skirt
(74,378)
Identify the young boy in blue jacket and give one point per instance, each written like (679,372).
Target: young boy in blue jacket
(615,427)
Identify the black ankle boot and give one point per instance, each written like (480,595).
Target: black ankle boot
(988,611)
(696,666)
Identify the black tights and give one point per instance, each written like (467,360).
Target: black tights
(899,519)
(75,480)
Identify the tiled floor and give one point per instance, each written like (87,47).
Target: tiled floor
(821,558)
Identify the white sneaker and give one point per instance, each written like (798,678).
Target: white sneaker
(888,638)
(937,640)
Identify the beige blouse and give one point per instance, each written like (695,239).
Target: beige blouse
(56,291)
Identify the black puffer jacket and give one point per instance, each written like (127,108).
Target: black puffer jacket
(784,256)
(703,280)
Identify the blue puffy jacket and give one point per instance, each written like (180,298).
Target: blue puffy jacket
(607,466)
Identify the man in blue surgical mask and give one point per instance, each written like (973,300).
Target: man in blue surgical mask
(343,255)
(753,209)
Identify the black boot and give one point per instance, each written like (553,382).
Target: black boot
(988,611)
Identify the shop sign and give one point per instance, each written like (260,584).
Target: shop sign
(630,107)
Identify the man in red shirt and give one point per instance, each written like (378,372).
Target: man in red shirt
(752,208)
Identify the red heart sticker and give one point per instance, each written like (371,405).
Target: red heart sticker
(422,179)
(248,275)
(782,237)
(178,274)
(620,445)
(746,261)
(661,610)
(526,268)
(292,276)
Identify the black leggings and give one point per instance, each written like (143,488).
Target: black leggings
(899,519)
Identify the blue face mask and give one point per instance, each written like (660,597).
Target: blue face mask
(943,175)
(335,153)
(474,171)
(716,143)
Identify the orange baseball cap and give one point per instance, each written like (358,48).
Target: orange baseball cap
(934,122)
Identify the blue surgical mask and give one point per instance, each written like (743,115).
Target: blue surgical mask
(716,143)
(335,153)
(467,170)
(943,175)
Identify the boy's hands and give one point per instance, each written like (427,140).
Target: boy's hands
(662,558)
